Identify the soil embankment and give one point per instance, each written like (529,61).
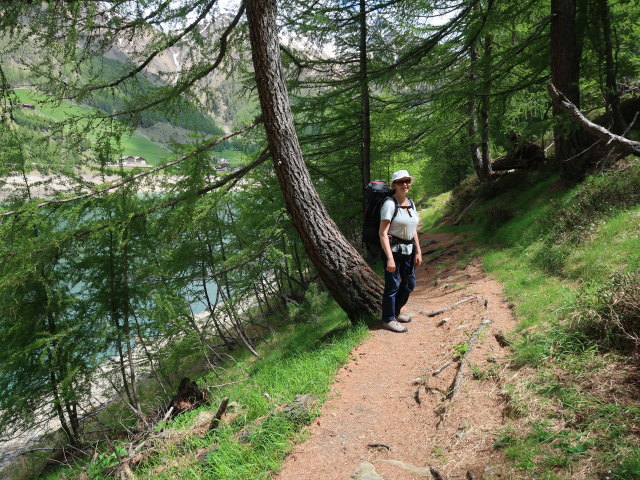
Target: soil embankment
(389,409)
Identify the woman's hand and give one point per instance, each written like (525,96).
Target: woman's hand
(391,265)
(418,259)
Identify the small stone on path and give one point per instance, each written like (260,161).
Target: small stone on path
(366,471)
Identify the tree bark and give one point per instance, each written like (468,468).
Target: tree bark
(351,282)
(365,129)
(565,75)
(611,94)
(484,108)
(480,80)
(474,148)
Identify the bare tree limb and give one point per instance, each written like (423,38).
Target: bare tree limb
(172,41)
(621,144)
(201,72)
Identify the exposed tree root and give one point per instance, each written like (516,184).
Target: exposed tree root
(459,379)
(433,313)
(445,365)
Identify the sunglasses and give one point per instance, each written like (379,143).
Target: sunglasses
(403,181)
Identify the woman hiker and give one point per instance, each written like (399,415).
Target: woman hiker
(399,241)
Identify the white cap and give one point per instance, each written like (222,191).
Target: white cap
(400,174)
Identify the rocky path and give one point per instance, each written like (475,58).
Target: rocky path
(388,417)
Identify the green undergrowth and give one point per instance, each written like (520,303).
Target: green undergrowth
(301,357)
(433,210)
(569,260)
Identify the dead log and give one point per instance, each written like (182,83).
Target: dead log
(523,155)
(433,313)
(459,379)
(621,145)
(189,396)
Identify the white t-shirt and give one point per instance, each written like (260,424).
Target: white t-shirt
(403,226)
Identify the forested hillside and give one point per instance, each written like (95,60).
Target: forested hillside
(116,284)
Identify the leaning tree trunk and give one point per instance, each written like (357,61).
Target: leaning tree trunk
(356,288)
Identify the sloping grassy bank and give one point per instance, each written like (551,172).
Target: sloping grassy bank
(570,263)
(300,357)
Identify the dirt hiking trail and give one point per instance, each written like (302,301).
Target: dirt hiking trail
(388,417)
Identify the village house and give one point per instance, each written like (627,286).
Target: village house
(129,161)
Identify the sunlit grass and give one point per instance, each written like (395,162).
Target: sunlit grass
(135,145)
(301,357)
(434,210)
(560,427)
(614,245)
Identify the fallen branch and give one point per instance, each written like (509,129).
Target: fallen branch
(377,445)
(299,411)
(215,421)
(167,415)
(466,209)
(621,144)
(442,322)
(290,300)
(457,383)
(439,370)
(433,313)
(416,396)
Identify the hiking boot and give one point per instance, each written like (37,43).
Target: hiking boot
(403,318)
(394,326)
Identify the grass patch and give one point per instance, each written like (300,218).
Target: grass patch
(569,261)
(234,157)
(434,210)
(135,144)
(301,357)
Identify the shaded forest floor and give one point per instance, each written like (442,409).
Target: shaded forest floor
(388,408)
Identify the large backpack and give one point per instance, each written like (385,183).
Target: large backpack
(375,195)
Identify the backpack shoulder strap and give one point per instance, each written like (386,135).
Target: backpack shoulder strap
(411,205)
(395,203)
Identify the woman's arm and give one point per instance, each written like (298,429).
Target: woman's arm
(416,245)
(383,233)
